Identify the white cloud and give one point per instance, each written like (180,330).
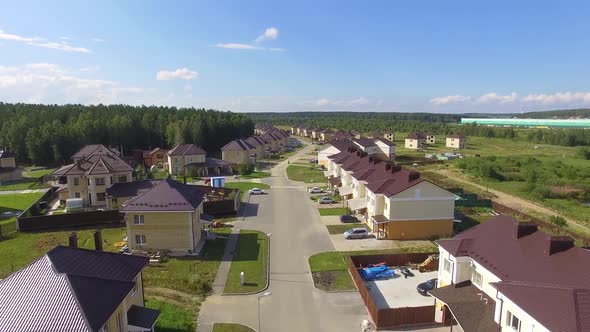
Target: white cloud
(493,97)
(271,33)
(180,73)
(559,98)
(50,83)
(98,40)
(43,42)
(449,99)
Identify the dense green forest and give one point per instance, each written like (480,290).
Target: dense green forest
(50,134)
(582,112)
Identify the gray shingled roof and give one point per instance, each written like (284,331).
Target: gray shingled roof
(186,150)
(95,165)
(237,145)
(94,150)
(6,154)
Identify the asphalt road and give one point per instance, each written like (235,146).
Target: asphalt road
(296,233)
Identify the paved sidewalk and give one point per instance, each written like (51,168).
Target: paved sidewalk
(228,255)
(23,191)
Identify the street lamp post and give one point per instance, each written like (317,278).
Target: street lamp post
(259,297)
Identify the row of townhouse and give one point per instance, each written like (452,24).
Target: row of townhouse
(505,275)
(247,151)
(394,203)
(381,148)
(420,141)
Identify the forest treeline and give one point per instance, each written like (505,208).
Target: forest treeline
(50,134)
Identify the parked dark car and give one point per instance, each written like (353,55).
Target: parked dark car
(424,287)
(345,218)
(406,272)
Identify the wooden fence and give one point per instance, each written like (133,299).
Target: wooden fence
(57,221)
(390,317)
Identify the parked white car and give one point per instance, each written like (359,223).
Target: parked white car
(356,233)
(316,190)
(256,191)
(325,200)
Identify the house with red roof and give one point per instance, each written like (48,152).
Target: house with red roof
(505,275)
(415,141)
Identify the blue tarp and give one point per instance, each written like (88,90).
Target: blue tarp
(377,272)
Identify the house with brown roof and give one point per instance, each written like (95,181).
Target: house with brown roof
(387,134)
(183,155)
(166,217)
(505,275)
(316,133)
(8,169)
(456,141)
(415,141)
(430,138)
(157,156)
(95,169)
(332,148)
(261,146)
(326,135)
(77,290)
(238,152)
(385,148)
(354,133)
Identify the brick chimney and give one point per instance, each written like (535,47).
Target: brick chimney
(98,240)
(396,168)
(522,229)
(556,244)
(413,175)
(73,240)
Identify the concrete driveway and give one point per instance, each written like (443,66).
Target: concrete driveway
(342,244)
(295,304)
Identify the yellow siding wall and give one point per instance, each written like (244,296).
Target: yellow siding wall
(419,230)
(131,299)
(163,231)
(236,157)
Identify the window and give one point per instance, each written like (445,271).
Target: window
(138,219)
(77,195)
(122,178)
(512,321)
(159,156)
(139,239)
(476,278)
(447,265)
(134,290)
(76,181)
(111,182)
(100,197)
(99,181)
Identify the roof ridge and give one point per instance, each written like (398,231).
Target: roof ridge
(78,305)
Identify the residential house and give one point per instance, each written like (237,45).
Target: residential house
(157,156)
(120,193)
(388,135)
(238,152)
(95,169)
(366,145)
(316,133)
(8,169)
(326,135)
(261,146)
(182,155)
(385,148)
(503,275)
(415,141)
(294,130)
(341,134)
(354,133)
(307,131)
(430,138)
(332,148)
(457,141)
(77,290)
(275,141)
(404,206)
(165,217)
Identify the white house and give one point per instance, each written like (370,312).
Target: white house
(506,275)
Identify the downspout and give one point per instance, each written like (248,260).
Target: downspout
(193,232)
(501,305)
(142,288)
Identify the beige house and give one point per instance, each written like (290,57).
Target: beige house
(238,152)
(182,155)
(95,169)
(157,156)
(415,141)
(166,217)
(388,135)
(326,135)
(456,141)
(430,139)
(77,290)
(316,133)
(8,169)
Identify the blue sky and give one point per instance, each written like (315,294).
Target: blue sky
(433,56)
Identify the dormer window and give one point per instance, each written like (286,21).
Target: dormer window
(477,279)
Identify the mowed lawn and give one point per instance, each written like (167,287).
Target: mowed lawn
(19,249)
(173,318)
(231,327)
(251,257)
(31,180)
(14,202)
(307,174)
(333,211)
(245,186)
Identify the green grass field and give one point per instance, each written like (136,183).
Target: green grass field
(256,175)
(339,229)
(251,258)
(36,172)
(173,318)
(307,174)
(333,211)
(245,186)
(19,249)
(230,327)
(14,202)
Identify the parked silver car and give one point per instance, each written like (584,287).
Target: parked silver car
(356,233)
(325,200)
